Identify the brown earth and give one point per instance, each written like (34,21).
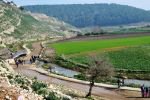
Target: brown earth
(6,91)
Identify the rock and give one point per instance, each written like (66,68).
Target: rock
(21,97)
(7,97)
(3,90)
(4,82)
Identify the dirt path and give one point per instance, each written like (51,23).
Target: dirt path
(37,48)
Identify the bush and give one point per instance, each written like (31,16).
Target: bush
(24,87)
(43,91)
(52,96)
(19,80)
(80,77)
(36,86)
(10,76)
(65,98)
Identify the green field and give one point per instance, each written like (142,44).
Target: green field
(77,47)
(135,54)
(133,58)
(131,55)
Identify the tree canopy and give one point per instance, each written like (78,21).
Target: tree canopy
(86,15)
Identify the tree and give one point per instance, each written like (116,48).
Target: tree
(98,69)
(21,8)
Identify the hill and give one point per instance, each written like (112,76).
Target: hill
(86,15)
(16,25)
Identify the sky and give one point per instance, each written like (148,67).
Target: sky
(144,4)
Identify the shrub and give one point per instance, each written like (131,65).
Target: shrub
(19,80)
(10,76)
(80,77)
(24,87)
(52,96)
(65,98)
(42,91)
(36,86)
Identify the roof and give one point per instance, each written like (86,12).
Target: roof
(19,53)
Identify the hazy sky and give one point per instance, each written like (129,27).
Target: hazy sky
(145,4)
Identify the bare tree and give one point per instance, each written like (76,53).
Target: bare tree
(98,69)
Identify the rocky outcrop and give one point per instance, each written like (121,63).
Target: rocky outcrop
(5,68)
(14,86)
(12,92)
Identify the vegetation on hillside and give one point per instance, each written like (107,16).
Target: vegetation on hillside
(16,24)
(83,15)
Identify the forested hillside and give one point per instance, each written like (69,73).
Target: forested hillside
(93,14)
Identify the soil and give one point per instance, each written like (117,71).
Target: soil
(4,91)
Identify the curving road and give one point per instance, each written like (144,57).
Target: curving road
(110,94)
(99,91)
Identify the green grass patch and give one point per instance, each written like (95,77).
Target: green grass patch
(76,47)
(135,58)
(133,62)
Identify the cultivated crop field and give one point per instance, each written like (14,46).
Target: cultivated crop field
(133,58)
(129,54)
(83,47)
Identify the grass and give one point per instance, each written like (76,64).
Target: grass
(75,47)
(132,58)
(133,62)
(135,58)
(26,26)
